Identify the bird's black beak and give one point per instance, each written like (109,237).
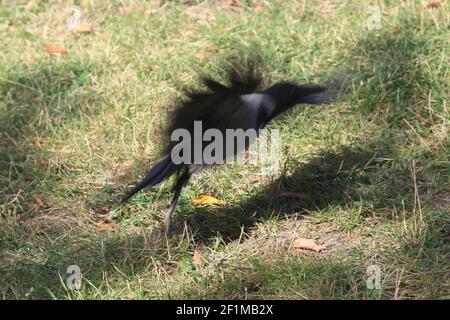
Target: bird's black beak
(312,94)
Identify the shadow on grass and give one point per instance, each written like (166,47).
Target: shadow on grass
(395,82)
(35,102)
(364,173)
(332,178)
(369,171)
(56,89)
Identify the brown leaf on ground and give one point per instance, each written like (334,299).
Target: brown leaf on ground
(100,211)
(309,244)
(259,6)
(434,4)
(83,28)
(205,199)
(197,258)
(104,224)
(234,3)
(39,201)
(55,49)
(102,35)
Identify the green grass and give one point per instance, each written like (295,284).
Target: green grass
(77,130)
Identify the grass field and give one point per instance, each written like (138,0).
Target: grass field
(370,172)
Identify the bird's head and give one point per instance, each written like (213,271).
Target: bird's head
(288,94)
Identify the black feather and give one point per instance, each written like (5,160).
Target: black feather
(161,171)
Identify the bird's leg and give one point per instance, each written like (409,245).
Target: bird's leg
(177,189)
(172,208)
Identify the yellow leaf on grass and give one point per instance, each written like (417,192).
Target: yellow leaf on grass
(197,258)
(205,199)
(310,244)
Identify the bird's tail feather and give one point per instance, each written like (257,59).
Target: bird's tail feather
(162,170)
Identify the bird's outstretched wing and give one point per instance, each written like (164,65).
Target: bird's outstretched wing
(216,105)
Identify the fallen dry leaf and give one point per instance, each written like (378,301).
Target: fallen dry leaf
(235,3)
(396,31)
(205,199)
(41,203)
(83,28)
(104,224)
(55,49)
(292,194)
(100,211)
(197,258)
(102,35)
(434,4)
(259,6)
(310,244)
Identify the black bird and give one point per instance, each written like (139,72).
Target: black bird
(236,106)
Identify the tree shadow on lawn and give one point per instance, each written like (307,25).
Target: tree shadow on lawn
(35,101)
(392,78)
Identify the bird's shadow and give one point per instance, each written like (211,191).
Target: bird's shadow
(331,178)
